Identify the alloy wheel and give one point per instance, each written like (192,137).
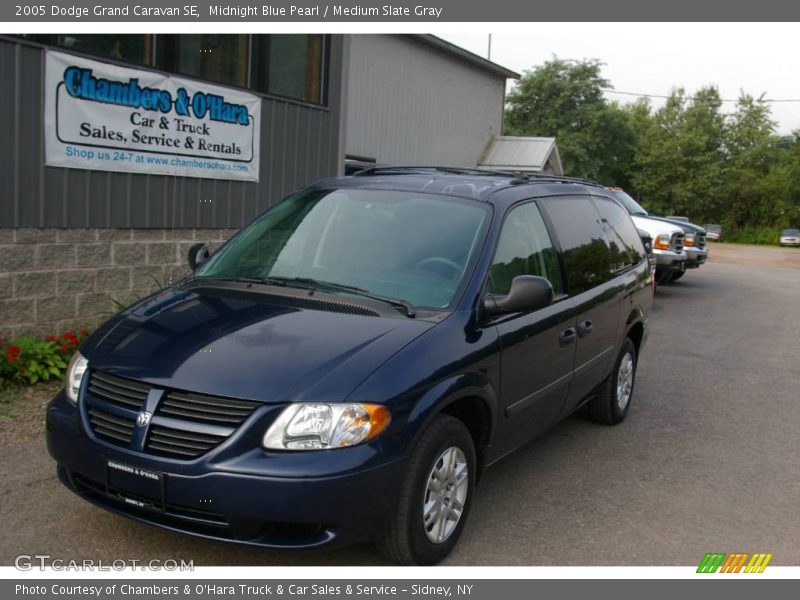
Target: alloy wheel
(445,494)
(624,381)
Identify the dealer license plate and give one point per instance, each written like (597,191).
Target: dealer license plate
(136,486)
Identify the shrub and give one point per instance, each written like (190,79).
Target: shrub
(752,235)
(27,360)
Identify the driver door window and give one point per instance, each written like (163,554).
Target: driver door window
(524,248)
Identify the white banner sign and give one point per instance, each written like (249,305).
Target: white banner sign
(111,118)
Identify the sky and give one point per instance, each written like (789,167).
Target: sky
(654,58)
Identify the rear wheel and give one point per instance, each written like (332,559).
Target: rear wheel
(435,497)
(610,405)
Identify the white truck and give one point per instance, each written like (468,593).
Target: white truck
(668,238)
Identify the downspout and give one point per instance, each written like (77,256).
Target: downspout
(343,95)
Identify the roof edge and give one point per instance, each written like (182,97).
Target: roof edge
(465,55)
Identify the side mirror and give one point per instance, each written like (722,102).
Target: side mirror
(198,254)
(527,293)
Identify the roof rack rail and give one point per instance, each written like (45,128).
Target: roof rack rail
(519,175)
(564,178)
(383,169)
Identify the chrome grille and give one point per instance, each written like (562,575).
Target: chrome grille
(700,240)
(111,427)
(182,443)
(185,424)
(119,391)
(206,409)
(676,242)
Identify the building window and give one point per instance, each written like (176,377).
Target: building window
(218,58)
(135,49)
(295,66)
(291,66)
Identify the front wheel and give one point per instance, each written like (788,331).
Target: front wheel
(663,277)
(435,497)
(610,405)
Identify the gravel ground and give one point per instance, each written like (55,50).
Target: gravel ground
(707,460)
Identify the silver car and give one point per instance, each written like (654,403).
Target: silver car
(713,232)
(790,237)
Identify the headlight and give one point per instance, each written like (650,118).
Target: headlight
(662,242)
(688,240)
(305,426)
(75,371)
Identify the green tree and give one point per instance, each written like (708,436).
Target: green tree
(687,157)
(657,163)
(760,179)
(564,99)
(702,135)
(679,163)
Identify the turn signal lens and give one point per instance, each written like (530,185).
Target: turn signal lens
(307,426)
(688,240)
(661,242)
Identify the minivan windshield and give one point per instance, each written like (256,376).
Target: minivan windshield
(633,207)
(790,232)
(408,246)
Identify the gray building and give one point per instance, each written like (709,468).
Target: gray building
(75,242)
(419,100)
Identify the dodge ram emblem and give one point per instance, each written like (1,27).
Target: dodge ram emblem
(143,418)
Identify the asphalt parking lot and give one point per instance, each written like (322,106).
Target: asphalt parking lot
(708,459)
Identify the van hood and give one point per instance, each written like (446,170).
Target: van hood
(244,346)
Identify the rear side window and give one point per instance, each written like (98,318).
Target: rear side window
(623,239)
(587,256)
(524,248)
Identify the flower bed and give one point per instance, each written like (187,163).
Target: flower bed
(27,360)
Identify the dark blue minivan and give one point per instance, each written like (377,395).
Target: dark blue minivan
(345,366)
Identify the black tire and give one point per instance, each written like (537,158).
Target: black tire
(405,540)
(604,408)
(663,278)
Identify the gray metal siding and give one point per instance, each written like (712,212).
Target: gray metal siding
(408,103)
(299,144)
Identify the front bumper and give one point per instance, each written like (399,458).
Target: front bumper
(669,262)
(695,256)
(790,242)
(255,498)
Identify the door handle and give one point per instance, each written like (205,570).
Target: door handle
(567,336)
(585,328)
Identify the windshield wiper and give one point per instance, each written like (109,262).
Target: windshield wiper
(268,280)
(310,283)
